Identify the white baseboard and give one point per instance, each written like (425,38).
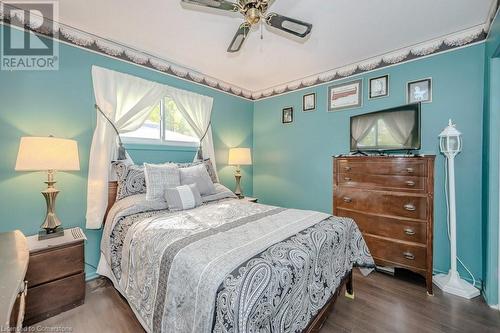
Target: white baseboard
(495,306)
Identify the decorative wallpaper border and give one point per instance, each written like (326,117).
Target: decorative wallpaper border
(116,50)
(434,46)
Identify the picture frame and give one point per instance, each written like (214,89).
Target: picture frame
(287,115)
(309,102)
(378,87)
(345,95)
(419,91)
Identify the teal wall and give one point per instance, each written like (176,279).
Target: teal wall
(491,168)
(293,164)
(37,103)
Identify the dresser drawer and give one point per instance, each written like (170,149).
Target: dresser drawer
(388,227)
(382,182)
(383,203)
(54,297)
(398,253)
(54,263)
(397,166)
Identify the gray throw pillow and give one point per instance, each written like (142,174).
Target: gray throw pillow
(198,175)
(208,165)
(159,177)
(183,197)
(130,178)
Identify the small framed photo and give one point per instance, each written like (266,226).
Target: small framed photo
(379,87)
(309,102)
(419,91)
(287,115)
(345,95)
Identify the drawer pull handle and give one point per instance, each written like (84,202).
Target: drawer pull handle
(347,179)
(347,199)
(409,232)
(409,170)
(410,183)
(408,255)
(410,207)
(347,168)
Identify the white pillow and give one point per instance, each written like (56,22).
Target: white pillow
(198,175)
(158,178)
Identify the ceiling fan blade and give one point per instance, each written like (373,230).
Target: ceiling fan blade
(239,38)
(290,25)
(269,2)
(217,4)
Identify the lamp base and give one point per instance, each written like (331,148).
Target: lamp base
(46,234)
(452,283)
(238,191)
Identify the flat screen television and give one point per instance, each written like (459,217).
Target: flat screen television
(392,129)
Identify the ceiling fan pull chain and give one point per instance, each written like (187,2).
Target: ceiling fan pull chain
(261,30)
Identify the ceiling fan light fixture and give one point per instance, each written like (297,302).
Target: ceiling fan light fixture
(252,16)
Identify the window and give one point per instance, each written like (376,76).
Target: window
(165,125)
(379,136)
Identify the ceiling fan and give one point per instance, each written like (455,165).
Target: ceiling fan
(254,11)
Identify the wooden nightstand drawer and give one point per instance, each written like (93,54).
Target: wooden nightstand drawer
(56,278)
(54,263)
(51,298)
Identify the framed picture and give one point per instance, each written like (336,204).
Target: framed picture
(379,87)
(419,91)
(309,102)
(345,95)
(287,115)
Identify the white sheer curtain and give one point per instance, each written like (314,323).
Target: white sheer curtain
(361,126)
(400,124)
(127,101)
(197,110)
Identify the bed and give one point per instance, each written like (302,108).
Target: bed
(228,265)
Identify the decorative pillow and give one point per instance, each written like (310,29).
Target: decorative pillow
(159,177)
(131,179)
(211,170)
(183,197)
(208,164)
(221,192)
(198,175)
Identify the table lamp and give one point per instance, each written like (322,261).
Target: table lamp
(48,154)
(238,157)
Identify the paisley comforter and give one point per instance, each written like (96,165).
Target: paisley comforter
(227,266)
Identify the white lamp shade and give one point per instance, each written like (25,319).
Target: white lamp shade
(47,153)
(239,156)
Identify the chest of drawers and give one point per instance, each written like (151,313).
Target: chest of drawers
(391,200)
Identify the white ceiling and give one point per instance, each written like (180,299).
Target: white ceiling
(344,32)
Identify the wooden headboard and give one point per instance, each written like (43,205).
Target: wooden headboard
(112,188)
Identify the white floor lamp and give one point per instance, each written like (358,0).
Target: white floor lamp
(450,143)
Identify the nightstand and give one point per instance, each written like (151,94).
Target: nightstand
(250,199)
(56,277)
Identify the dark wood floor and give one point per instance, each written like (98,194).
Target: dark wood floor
(382,304)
